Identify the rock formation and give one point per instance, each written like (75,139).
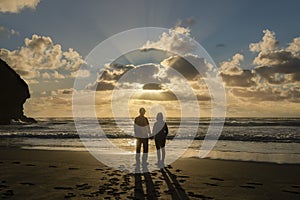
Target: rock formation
(14,92)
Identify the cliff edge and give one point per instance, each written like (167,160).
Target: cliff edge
(14,92)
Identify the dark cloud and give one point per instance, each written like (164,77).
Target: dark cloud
(114,72)
(101,86)
(124,75)
(220,45)
(268,94)
(187,66)
(67,91)
(190,21)
(244,79)
(152,86)
(203,97)
(277,65)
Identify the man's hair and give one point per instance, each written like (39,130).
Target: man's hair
(142,110)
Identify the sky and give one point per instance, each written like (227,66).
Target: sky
(254,44)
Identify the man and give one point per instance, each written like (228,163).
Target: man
(141,133)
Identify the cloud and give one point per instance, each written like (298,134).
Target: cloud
(233,66)
(188,63)
(274,76)
(46,75)
(221,45)
(15,6)
(188,22)
(268,43)
(150,73)
(233,75)
(38,54)
(294,46)
(66,91)
(52,103)
(182,30)
(102,85)
(268,94)
(152,86)
(114,71)
(187,66)
(131,76)
(174,41)
(83,73)
(7,33)
(277,65)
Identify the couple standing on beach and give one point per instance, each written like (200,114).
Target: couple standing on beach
(142,134)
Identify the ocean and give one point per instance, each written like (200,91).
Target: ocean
(275,140)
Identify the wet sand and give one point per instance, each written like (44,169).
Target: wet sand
(38,174)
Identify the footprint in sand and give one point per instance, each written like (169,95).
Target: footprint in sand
(27,183)
(291,191)
(114,181)
(8,193)
(153,173)
(181,181)
(217,179)
(158,182)
(247,186)
(169,167)
(73,168)
(199,196)
(83,186)
(254,183)
(96,193)
(70,195)
(210,184)
(169,191)
(3,186)
(63,188)
(30,165)
(295,186)
(86,195)
(101,190)
(183,176)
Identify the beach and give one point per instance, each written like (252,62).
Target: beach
(52,174)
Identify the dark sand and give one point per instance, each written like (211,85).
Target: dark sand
(37,174)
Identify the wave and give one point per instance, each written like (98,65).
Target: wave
(222,137)
(235,129)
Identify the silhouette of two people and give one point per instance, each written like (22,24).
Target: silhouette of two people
(142,134)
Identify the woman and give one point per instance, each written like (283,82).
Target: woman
(160,132)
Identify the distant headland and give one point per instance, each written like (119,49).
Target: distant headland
(14,92)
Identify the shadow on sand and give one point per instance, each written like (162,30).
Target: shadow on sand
(145,188)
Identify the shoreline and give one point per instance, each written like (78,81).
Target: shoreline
(43,174)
